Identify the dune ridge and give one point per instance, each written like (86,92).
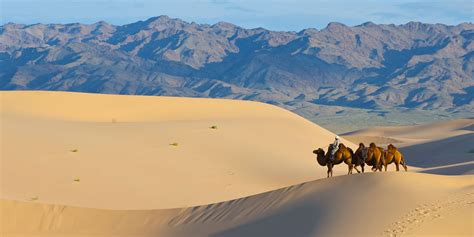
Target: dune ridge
(301,210)
(410,135)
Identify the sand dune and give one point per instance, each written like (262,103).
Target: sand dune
(390,203)
(409,135)
(78,164)
(118,148)
(452,150)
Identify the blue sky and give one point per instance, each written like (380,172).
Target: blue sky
(271,14)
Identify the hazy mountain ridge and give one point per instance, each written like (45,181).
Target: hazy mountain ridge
(415,65)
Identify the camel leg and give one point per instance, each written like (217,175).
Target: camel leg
(397,165)
(350,169)
(404,164)
(330,170)
(355,167)
(377,166)
(363,168)
(373,166)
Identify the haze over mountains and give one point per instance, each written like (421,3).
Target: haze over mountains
(370,66)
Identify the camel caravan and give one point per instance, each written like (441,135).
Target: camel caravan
(373,156)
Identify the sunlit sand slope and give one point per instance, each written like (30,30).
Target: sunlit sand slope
(138,152)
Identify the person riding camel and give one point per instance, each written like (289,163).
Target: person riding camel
(335,147)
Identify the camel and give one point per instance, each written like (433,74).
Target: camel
(343,154)
(392,155)
(360,156)
(372,155)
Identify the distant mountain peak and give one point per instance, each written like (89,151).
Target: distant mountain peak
(334,25)
(308,31)
(101,23)
(165,21)
(160,18)
(369,24)
(224,25)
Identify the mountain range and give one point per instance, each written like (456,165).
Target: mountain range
(369,66)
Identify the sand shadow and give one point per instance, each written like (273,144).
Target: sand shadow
(299,221)
(449,151)
(456,169)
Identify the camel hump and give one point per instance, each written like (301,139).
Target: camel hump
(351,151)
(342,146)
(392,147)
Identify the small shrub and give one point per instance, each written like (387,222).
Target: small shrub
(213,127)
(74,150)
(35,198)
(174,144)
(77,180)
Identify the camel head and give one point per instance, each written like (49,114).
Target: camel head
(319,151)
(372,145)
(361,145)
(391,147)
(320,156)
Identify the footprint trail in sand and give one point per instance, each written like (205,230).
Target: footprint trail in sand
(424,213)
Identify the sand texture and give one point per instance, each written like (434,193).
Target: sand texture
(75,164)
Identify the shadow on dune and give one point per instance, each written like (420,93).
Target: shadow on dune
(457,169)
(469,128)
(443,152)
(328,208)
(298,221)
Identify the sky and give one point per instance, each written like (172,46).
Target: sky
(284,15)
